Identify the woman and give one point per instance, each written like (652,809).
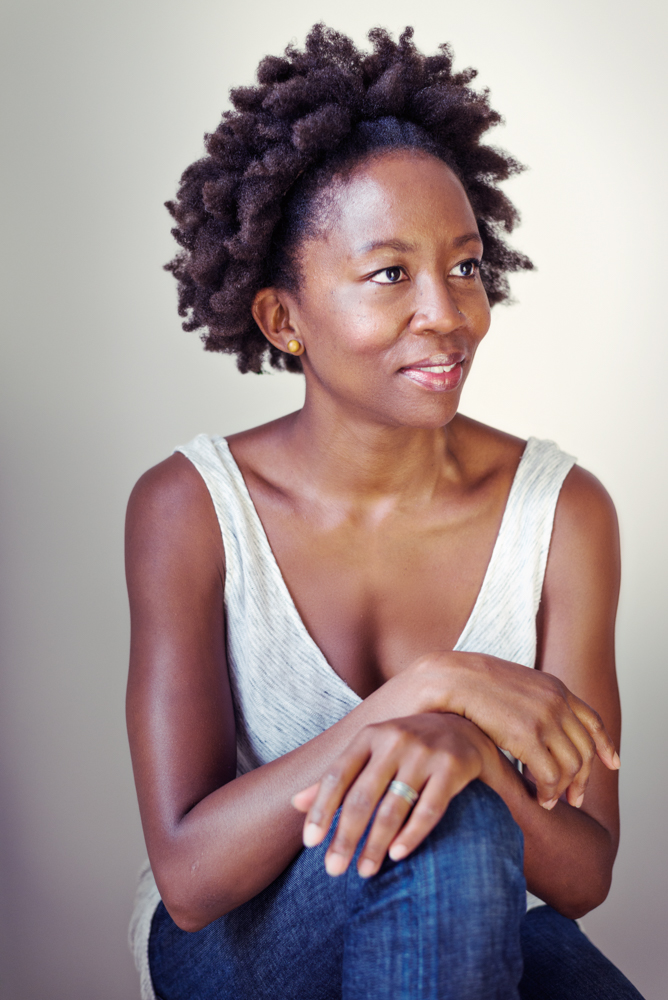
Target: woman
(342,609)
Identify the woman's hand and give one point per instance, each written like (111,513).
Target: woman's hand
(531,714)
(436,754)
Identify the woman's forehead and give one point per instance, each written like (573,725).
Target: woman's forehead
(387,198)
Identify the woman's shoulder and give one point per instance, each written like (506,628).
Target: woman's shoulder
(171,505)
(585,517)
(188,488)
(172,483)
(487,450)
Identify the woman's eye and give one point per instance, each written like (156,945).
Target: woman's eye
(389,276)
(466,268)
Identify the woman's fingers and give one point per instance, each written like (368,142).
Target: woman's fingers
(583,741)
(561,762)
(303,801)
(358,807)
(593,723)
(390,817)
(546,771)
(555,763)
(587,732)
(572,756)
(332,788)
(572,733)
(428,811)
(572,743)
(446,775)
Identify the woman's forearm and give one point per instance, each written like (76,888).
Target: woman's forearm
(568,855)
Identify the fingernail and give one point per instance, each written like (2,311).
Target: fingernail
(551,804)
(580,799)
(312,835)
(367,868)
(335,864)
(398,851)
(616,762)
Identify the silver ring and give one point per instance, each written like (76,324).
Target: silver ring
(404,792)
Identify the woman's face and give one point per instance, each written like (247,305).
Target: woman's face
(391,308)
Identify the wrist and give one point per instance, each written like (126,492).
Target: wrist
(501,775)
(491,761)
(493,771)
(434,678)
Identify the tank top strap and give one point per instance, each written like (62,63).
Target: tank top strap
(244,539)
(503,620)
(283,689)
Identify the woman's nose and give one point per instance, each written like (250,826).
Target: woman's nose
(436,308)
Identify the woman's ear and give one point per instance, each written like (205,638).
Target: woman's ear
(271,312)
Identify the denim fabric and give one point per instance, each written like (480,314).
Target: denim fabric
(561,963)
(446,923)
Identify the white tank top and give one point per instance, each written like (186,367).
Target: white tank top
(284,690)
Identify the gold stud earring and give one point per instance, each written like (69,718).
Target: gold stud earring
(295,347)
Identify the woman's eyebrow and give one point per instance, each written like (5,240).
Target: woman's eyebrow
(402,247)
(461,241)
(397,245)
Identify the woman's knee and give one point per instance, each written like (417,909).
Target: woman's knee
(477,850)
(461,894)
(479,812)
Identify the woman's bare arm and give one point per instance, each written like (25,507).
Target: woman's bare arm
(576,643)
(569,853)
(214,841)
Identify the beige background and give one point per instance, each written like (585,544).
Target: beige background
(105,104)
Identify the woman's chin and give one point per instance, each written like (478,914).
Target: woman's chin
(428,417)
(431,410)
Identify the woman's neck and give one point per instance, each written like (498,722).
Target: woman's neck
(348,455)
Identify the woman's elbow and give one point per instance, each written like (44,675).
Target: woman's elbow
(185,919)
(589,894)
(191,913)
(191,905)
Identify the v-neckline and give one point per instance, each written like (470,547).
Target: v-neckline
(299,621)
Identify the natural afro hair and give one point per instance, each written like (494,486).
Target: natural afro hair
(242,210)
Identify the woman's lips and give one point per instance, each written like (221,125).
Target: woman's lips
(437,378)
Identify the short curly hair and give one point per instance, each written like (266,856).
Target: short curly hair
(242,211)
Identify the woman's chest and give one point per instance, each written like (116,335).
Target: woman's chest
(375,599)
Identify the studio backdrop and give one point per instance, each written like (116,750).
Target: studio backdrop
(104,104)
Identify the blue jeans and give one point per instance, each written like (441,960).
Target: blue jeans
(446,923)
